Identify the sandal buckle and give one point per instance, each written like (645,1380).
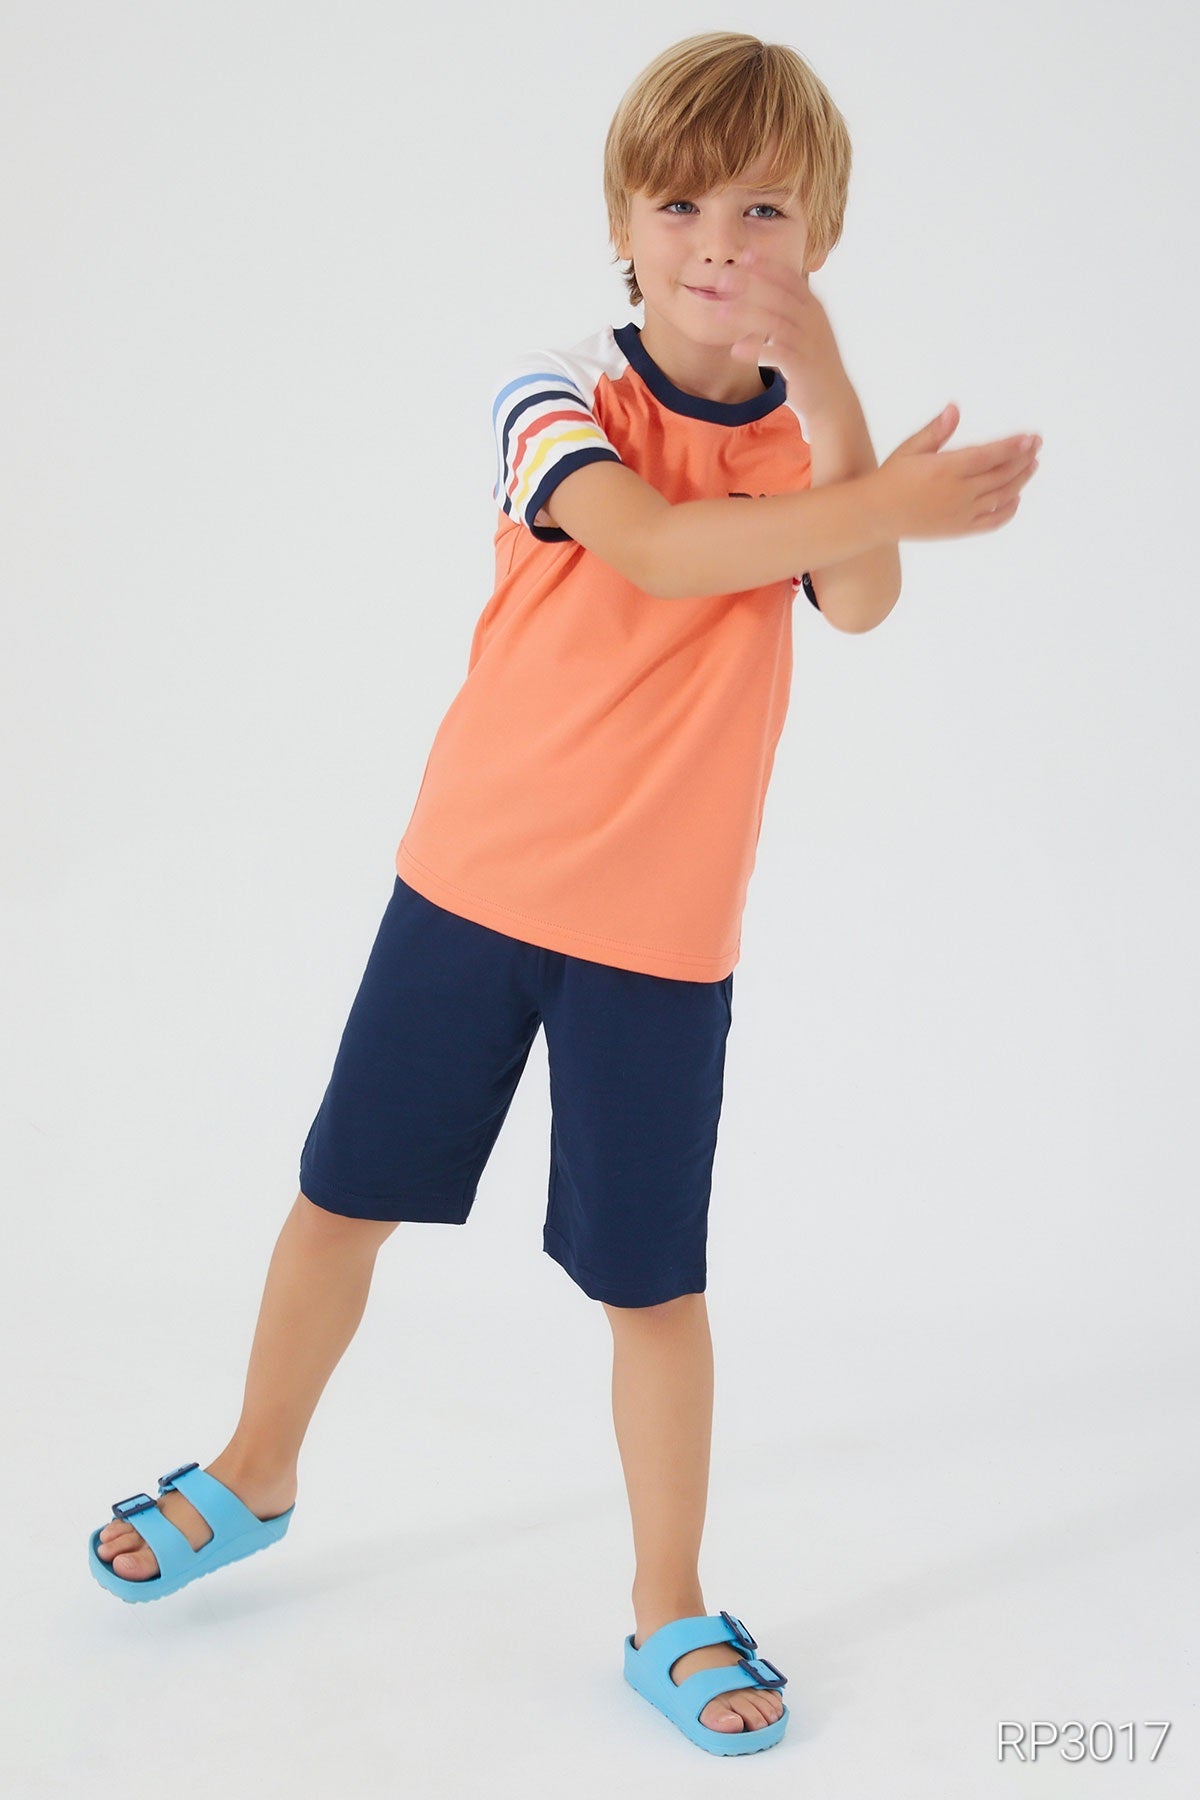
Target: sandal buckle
(133,1503)
(754,1667)
(741,1636)
(166,1481)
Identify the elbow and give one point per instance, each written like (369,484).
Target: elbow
(864,616)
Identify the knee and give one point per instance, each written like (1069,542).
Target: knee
(662,1310)
(341,1225)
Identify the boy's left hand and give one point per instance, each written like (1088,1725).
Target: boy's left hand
(789,329)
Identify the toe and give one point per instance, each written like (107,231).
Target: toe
(135,1565)
(754,1708)
(120,1540)
(720,1716)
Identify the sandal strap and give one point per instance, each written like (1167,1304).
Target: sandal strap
(697,1690)
(170,1547)
(226,1516)
(666,1645)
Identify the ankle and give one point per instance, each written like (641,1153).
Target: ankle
(657,1603)
(254,1468)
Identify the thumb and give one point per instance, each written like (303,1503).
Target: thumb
(939,429)
(933,435)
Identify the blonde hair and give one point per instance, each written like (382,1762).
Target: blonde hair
(705,110)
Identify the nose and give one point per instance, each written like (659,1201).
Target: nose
(723,253)
(723,241)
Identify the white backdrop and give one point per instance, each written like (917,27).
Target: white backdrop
(260,264)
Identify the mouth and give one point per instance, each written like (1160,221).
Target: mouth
(708,293)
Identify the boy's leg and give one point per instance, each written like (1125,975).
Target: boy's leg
(662,1396)
(316,1292)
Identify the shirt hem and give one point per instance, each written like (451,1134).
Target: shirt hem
(590,946)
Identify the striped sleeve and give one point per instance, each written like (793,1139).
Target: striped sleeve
(545,428)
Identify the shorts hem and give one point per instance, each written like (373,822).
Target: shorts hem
(355,1206)
(598,1287)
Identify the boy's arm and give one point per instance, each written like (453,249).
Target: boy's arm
(859,592)
(696,548)
(708,547)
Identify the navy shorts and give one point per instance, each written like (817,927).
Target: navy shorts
(430,1057)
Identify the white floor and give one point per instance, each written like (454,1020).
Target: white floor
(955,1472)
(925,1544)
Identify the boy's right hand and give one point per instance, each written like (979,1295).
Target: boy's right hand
(924,492)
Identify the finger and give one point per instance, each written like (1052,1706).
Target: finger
(1021,444)
(999,493)
(1008,476)
(773,274)
(768,321)
(994,516)
(1004,449)
(979,459)
(772,268)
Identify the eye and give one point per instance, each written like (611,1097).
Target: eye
(760,206)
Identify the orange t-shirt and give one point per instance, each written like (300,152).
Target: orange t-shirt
(597,784)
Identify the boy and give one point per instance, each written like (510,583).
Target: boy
(586,825)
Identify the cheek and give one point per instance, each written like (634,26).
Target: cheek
(660,250)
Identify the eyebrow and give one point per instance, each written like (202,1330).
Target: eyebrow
(763,190)
(786,192)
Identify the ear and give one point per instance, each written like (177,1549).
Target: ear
(812,267)
(622,240)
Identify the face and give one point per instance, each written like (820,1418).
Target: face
(683,242)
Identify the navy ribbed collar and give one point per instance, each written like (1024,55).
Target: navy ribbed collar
(718,412)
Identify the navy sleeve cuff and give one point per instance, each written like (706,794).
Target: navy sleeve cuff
(566,465)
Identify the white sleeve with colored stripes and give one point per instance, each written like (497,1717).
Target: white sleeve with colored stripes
(544,428)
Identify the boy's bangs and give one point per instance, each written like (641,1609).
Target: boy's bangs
(704,156)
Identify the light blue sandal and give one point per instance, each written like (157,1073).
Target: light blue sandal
(649,1671)
(236,1532)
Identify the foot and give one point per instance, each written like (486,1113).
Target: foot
(131,1557)
(741,1709)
